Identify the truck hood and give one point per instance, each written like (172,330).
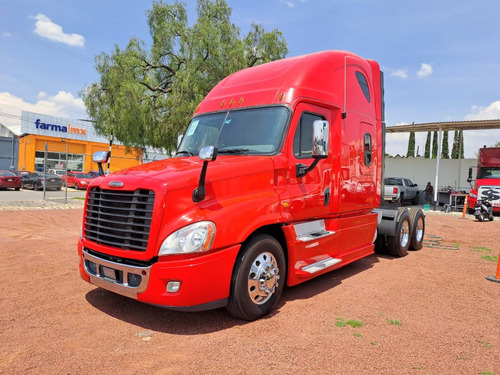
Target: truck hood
(177,173)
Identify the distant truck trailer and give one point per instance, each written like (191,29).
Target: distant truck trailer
(487,181)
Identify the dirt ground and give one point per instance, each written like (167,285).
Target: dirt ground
(431,312)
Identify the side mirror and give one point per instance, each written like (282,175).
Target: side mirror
(321,131)
(320,139)
(469,179)
(207,154)
(100,157)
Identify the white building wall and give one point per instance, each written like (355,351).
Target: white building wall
(452,172)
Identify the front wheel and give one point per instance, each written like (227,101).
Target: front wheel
(258,278)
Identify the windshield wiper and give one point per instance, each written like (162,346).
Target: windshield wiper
(184,153)
(243,151)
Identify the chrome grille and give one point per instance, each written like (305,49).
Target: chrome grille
(120,219)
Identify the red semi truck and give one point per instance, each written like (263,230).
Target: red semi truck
(487,182)
(277,180)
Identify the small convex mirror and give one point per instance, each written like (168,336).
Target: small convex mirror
(320,139)
(100,157)
(208,153)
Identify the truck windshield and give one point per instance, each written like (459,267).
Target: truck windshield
(256,131)
(488,172)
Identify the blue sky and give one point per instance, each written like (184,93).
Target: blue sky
(441,58)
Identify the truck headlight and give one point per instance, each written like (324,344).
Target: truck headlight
(197,237)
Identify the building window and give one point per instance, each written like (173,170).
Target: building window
(55,160)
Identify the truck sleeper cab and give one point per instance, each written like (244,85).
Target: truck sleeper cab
(277,180)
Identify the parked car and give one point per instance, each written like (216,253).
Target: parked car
(9,180)
(59,172)
(78,180)
(20,173)
(37,180)
(398,189)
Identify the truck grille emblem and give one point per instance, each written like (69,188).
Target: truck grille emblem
(115,184)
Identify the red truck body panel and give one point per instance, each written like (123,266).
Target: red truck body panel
(252,194)
(487,178)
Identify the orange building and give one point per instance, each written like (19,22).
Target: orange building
(67,144)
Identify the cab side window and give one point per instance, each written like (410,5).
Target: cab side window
(302,141)
(368,149)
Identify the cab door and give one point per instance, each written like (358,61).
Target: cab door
(310,195)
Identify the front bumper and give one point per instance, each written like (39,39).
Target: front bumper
(205,280)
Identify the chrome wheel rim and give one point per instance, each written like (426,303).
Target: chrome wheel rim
(263,278)
(419,229)
(405,233)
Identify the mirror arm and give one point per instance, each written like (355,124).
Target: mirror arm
(301,170)
(199,192)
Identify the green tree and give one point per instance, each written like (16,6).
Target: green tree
(445,152)
(435,145)
(411,145)
(147,97)
(458,144)
(427,151)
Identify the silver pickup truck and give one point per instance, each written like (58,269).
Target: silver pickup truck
(398,189)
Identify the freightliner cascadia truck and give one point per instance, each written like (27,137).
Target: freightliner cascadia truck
(487,182)
(277,180)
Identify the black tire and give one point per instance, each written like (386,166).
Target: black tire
(416,200)
(399,243)
(17,188)
(417,225)
(260,258)
(35,186)
(401,200)
(480,217)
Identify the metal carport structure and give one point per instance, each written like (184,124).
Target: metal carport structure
(440,127)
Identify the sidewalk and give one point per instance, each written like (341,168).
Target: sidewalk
(52,204)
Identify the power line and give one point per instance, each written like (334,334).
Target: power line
(46,44)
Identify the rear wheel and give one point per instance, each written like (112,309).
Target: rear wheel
(36,186)
(416,200)
(417,224)
(258,278)
(399,243)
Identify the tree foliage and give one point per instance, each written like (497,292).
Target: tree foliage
(411,145)
(458,145)
(147,97)
(435,145)
(427,151)
(445,153)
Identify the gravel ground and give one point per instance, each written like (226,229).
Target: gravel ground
(431,312)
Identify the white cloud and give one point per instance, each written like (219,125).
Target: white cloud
(400,73)
(425,70)
(48,29)
(5,34)
(291,3)
(492,112)
(63,104)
